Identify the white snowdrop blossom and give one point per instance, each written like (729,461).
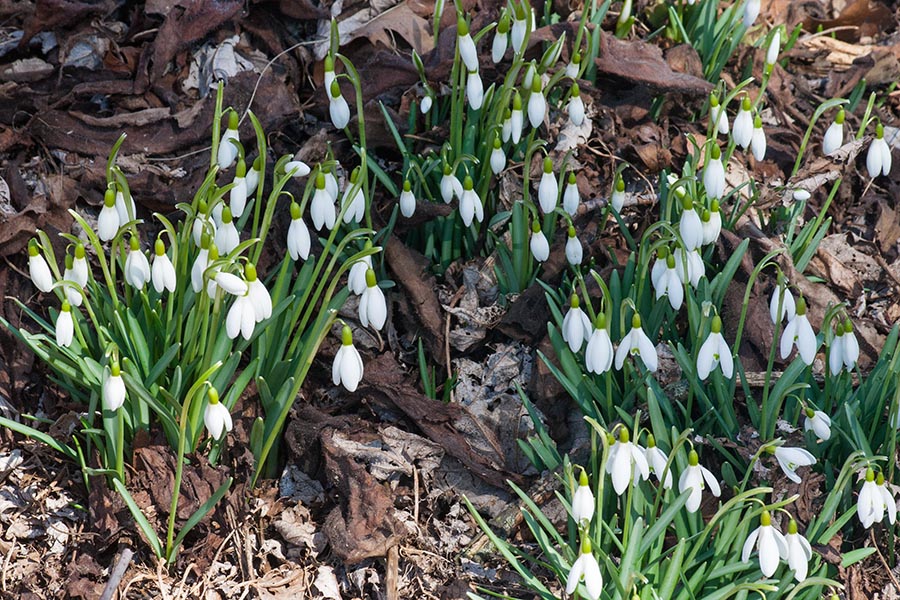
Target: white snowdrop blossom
(695,478)
(617,199)
(338,109)
(626,461)
(216,417)
(474,90)
(296,168)
(659,266)
(758,140)
(714,174)
(330,75)
(774,48)
(227,236)
(771,544)
(711,223)
(636,343)
(470,203)
(689,266)
(844,351)
(801,195)
(407,200)
(237,198)
(799,552)
(252,179)
(241,318)
(656,461)
(743,125)
(887,499)
(113,390)
(200,264)
(783,295)
(540,247)
(519,27)
(501,38)
(817,422)
(516,119)
(790,459)
(548,188)
(670,285)
(298,240)
(574,66)
(65,326)
(38,269)
(126,210)
(331,182)
(583,503)
(321,209)
(354,200)
(571,197)
(137,267)
(73,289)
(587,570)
(834,135)
(506,126)
(878,158)
(799,332)
(108,219)
(162,272)
(425,106)
(228,151)
(875,500)
(576,326)
(231,283)
(715,352)
(717,115)
(347,368)
(598,357)
(356,280)
(466,45)
(537,104)
(259,295)
(498,158)
(450,185)
(203,223)
(575,108)
(751,11)
(689,226)
(574,251)
(372,305)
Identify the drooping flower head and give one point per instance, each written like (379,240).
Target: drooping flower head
(598,357)
(772,545)
(636,343)
(715,352)
(216,416)
(585,569)
(466,45)
(695,478)
(38,269)
(583,504)
(347,368)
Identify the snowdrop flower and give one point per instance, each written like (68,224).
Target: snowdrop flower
(216,416)
(241,318)
(751,11)
(817,422)
(296,168)
(690,227)
(758,140)
(474,90)
(470,204)
(799,552)
(516,119)
(322,209)
(200,264)
(450,185)
(689,266)
(113,391)
(356,280)
(583,504)
(467,51)
(498,158)
(715,352)
(887,500)
(372,305)
(540,247)
(347,368)
(636,343)
(228,151)
(329,72)
(203,223)
(717,115)
(237,198)
(229,282)
(844,351)
(585,569)
(331,182)
(72,290)
(137,267)
(790,459)
(548,188)
(519,27)
(714,174)
(65,326)
(501,37)
(711,223)
(407,200)
(162,273)
(657,460)
(873,499)
(834,135)
(670,285)
(618,195)
(798,331)
(743,125)
(227,236)
(338,109)
(108,220)
(575,108)
(537,104)
(355,208)
(774,48)
(425,106)
(878,159)
(574,252)
(259,295)
(79,266)
(126,210)
(598,357)
(573,68)
(772,545)
(659,266)
(626,461)
(252,179)
(571,197)
(576,326)
(298,240)
(788,307)
(693,478)
(506,127)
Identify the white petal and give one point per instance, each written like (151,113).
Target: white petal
(376,307)
(65,328)
(537,108)
(574,577)
(711,481)
(339,111)
(769,553)
(806,340)
(231,283)
(647,350)
(787,338)
(747,550)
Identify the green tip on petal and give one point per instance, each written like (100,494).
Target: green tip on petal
(792,527)
(329,63)
(745,104)
(714,206)
(258,163)
(497,142)
(848,326)
(879,479)
(346,336)
(571,231)
(70,261)
(693,458)
(213,395)
(370,278)
(705,215)
(250,272)
(687,203)
(576,59)
(651,441)
(227,216)
(354,175)
(575,91)
(583,479)
(757,122)
(66,307)
(468,184)
(448,170)
(320,181)
(715,153)
(586,545)
(159,247)
(204,241)
(624,436)
(517,101)
(716,326)
(115,370)
(670,261)
(134,243)
(462,28)
(801,306)
(535,226)
(839,118)
(241,169)
(573,301)
(662,252)
(335,89)
(713,100)
(810,412)
(765,519)
(232,120)
(536,84)
(636,321)
(507,114)
(548,164)
(601,321)
(503,26)
(295,211)
(33,249)
(79,251)
(407,186)
(109,197)
(879,131)
(870,474)
(620,184)
(572,179)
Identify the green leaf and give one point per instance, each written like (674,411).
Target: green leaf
(140,519)
(40,436)
(854,556)
(197,517)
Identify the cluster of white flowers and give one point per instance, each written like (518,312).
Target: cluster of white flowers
(773,547)
(747,132)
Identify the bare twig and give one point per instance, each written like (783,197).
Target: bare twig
(115,578)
